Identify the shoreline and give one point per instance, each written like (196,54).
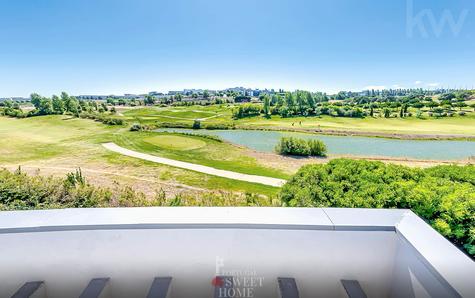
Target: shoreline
(386,135)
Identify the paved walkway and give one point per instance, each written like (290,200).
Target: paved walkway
(197,168)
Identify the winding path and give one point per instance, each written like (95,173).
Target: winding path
(195,167)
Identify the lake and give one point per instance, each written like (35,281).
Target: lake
(265,141)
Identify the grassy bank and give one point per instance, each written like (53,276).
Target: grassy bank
(19,191)
(222,114)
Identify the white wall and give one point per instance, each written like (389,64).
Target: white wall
(66,261)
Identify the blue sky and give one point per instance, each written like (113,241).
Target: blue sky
(117,46)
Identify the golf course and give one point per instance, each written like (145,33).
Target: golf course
(57,144)
(202,156)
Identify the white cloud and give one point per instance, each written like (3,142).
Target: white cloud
(374,88)
(397,86)
(433,85)
(417,82)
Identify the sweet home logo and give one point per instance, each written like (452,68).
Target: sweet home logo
(235,283)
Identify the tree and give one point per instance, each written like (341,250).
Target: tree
(72,106)
(58,105)
(387,113)
(104,106)
(289,101)
(266,107)
(300,99)
(149,100)
(460,105)
(178,97)
(46,107)
(206,94)
(310,100)
(447,96)
(35,99)
(64,96)
(432,104)
(418,105)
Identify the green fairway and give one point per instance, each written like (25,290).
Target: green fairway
(171,142)
(213,153)
(222,114)
(66,142)
(410,125)
(206,114)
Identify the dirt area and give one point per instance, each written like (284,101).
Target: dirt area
(147,181)
(291,165)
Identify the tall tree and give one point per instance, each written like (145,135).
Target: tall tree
(310,100)
(35,100)
(58,105)
(266,107)
(46,107)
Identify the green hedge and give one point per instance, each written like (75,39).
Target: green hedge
(444,195)
(102,118)
(300,147)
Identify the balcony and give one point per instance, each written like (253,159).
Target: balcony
(228,252)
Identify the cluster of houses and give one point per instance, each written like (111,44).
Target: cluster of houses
(185,93)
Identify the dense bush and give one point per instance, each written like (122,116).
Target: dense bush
(12,112)
(317,148)
(444,195)
(19,191)
(102,118)
(196,124)
(141,127)
(300,147)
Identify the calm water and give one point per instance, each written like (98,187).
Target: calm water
(363,146)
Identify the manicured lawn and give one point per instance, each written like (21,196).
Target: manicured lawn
(215,154)
(409,125)
(171,142)
(207,114)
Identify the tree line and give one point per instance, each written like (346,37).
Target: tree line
(63,104)
(304,103)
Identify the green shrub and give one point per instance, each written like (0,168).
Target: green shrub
(300,147)
(444,195)
(19,191)
(136,127)
(317,148)
(196,124)
(102,118)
